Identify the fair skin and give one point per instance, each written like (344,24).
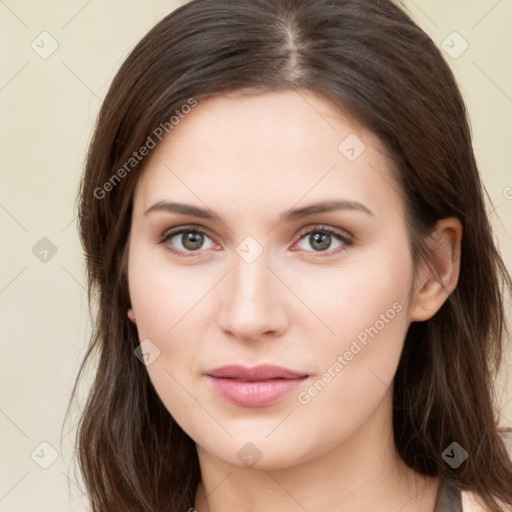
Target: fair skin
(251,158)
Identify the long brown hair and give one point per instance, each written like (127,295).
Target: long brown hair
(374,63)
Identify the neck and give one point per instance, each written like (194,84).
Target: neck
(362,473)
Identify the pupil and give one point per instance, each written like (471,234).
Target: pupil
(321,241)
(192,240)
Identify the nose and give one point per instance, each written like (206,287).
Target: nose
(252,305)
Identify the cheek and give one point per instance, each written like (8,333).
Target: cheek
(357,368)
(163,302)
(368,292)
(162,294)
(366,308)
(170,302)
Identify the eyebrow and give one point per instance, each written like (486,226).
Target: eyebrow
(288,216)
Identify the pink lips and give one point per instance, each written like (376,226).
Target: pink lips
(254,387)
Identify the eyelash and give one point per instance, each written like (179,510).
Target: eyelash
(346,240)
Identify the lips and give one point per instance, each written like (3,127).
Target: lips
(257,373)
(254,387)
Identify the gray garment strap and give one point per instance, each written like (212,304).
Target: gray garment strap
(449,498)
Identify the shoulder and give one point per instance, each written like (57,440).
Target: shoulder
(470,502)
(506,434)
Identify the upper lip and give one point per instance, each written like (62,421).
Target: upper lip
(256,373)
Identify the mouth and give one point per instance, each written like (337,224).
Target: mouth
(255,387)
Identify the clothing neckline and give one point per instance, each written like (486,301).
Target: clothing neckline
(449,498)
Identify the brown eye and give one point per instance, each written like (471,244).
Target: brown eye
(324,239)
(192,240)
(320,241)
(186,240)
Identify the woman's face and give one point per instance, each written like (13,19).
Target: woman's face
(301,260)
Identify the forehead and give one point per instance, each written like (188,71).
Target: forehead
(273,119)
(278,145)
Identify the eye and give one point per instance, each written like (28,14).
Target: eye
(186,240)
(324,239)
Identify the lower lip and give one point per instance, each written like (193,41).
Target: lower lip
(256,393)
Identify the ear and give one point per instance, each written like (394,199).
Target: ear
(131,315)
(438,278)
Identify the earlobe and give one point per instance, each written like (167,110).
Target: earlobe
(131,315)
(439,277)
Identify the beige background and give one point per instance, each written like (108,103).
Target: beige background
(48,108)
